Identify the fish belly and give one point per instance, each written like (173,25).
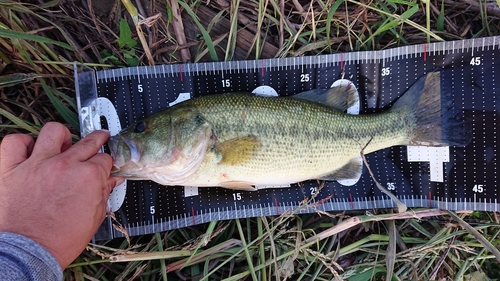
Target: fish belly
(296,141)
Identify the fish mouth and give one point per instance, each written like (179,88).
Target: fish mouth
(125,153)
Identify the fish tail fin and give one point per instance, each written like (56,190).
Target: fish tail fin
(438,122)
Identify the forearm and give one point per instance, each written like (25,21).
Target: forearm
(22,259)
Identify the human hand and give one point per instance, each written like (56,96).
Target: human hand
(53,192)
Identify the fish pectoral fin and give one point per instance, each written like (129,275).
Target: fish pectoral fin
(238,150)
(350,171)
(238,185)
(341,96)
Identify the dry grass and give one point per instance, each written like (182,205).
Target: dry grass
(39,41)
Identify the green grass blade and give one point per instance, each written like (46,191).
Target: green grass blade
(440,19)
(68,115)
(19,122)
(247,253)
(204,241)
(12,34)
(17,78)
(399,20)
(204,33)
(390,258)
(233,31)
(407,21)
(487,244)
(329,18)
(262,252)
(162,261)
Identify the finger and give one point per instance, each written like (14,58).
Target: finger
(114,182)
(51,141)
(104,162)
(88,146)
(14,150)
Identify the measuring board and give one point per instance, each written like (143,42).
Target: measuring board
(454,178)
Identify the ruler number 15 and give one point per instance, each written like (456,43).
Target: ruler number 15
(237,196)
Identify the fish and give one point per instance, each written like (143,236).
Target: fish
(242,141)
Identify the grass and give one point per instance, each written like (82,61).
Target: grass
(39,42)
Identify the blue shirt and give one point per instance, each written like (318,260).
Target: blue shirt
(22,259)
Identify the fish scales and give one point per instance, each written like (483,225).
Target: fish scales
(240,140)
(296,138)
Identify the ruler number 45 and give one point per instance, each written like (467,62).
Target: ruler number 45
(479,188)
(475,61)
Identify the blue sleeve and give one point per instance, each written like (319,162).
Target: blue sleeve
(22,259)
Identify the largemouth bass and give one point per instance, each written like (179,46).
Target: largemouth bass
(239,140)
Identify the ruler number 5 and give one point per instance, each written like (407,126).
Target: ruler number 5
(475,61)
(139,88)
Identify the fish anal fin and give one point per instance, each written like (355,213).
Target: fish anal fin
(350,171)
(238,150)
(238,185)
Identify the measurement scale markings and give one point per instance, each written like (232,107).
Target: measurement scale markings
(430,199)
(350,200)
(342,62)
(193,215)
(110,76)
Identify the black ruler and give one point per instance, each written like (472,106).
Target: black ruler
(447,178)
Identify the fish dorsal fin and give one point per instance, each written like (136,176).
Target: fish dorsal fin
(341,95)
(350,171)
(236,151)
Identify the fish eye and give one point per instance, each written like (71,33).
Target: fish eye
(140,127)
